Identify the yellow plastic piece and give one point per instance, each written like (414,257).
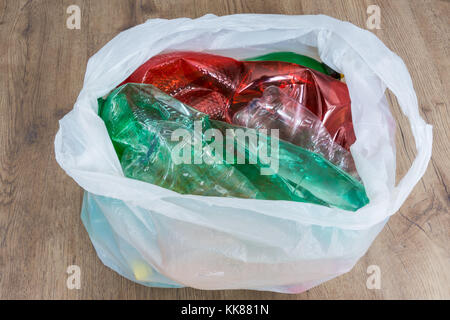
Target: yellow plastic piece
(141,270)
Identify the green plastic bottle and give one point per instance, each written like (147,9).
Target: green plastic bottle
(296,58)
(162,141)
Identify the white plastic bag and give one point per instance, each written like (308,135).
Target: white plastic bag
(161,238)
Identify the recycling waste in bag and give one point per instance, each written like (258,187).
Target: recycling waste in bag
(230,152)
(142,120)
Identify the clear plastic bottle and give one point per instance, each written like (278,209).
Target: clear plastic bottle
(296,124)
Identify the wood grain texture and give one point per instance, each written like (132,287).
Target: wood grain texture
(42,65)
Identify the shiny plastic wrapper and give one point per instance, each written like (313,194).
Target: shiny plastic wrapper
(146,125)
(296,124)
(220,86)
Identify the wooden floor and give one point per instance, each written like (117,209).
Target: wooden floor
(42,66)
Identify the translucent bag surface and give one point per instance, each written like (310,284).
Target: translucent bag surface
(223,243)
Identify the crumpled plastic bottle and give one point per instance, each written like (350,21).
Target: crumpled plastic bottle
(142,120)
(296,124)
(220,86)
(324,96)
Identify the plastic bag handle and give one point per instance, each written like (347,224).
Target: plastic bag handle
(397,78)
(423,137)
(391,69)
